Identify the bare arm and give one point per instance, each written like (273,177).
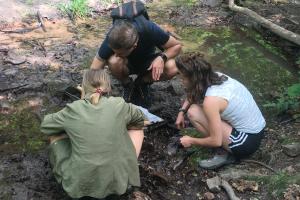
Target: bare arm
(180,117)
(98,63)
(172,47)
(211,108)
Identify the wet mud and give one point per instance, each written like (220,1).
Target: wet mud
(35,69)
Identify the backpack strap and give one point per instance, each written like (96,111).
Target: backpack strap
(120,11)
(134,8)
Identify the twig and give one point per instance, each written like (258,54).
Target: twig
(40,19)
(21,31)
(43,48)
(259,163)
(25,30)
(12,88)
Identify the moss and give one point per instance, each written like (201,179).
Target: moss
(252,60)
(276,184)
(186,3)
(283,140)
(259,39)
(200,152)
(21,130)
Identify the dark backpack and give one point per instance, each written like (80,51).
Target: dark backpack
(133,11)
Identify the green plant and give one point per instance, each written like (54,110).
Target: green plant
(110,2)
(289,100)
(76,8)
(298,61)
(186,2)
(277,183)
(29,2)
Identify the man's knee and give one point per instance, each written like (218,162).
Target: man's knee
(116,63)
(170,69)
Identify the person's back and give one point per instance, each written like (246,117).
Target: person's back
(99,157)
(221,109)
(242,111)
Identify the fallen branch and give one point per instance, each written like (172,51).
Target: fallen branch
(40,19)
(216,182)
(260,163)
(26,30)
(229,190)
(282,32)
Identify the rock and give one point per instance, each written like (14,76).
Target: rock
(295,1)
(289,169)
(234,174)
(209,196)
(14,58)
(211,3)
(177,87)
(4,105)
(10,72)
(292,149)
(214,184)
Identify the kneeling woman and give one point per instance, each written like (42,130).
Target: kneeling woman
(221,108)
(97,155)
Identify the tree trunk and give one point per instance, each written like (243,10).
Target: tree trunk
(286,34)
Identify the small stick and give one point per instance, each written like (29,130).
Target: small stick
(259,163)
(40,19)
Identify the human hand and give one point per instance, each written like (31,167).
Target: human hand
(186,141)
(180,121)
(157,67)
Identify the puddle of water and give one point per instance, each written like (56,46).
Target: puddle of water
(245,56)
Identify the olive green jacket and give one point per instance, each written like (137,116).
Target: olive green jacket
(99,158)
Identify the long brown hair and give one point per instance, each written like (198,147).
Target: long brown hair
(199,74)
(95,83)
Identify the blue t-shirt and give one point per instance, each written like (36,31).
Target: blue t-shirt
(149,38)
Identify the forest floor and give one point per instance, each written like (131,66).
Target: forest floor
(36,67)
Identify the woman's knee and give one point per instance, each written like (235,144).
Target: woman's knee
(194,112)
(170,69)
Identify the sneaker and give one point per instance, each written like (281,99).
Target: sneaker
(128,90)
(217,161)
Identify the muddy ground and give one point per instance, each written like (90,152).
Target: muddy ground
(36,67)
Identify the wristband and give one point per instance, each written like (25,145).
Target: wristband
(164,57)
(183,110)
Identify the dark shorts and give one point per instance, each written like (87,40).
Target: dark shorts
(244,144)
(142,67)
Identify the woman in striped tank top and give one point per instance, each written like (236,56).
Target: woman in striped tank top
(221,109)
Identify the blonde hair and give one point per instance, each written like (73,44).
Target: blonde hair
(95,83)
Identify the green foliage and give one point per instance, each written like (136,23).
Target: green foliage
(21,130)
(110,2)
(200,152)
(29,2)
(76,8)
(289,100)
(185,2)
(298,61)
(277,183)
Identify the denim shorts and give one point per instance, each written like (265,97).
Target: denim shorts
(244,144)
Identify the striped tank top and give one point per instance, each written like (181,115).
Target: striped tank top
(242,112)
